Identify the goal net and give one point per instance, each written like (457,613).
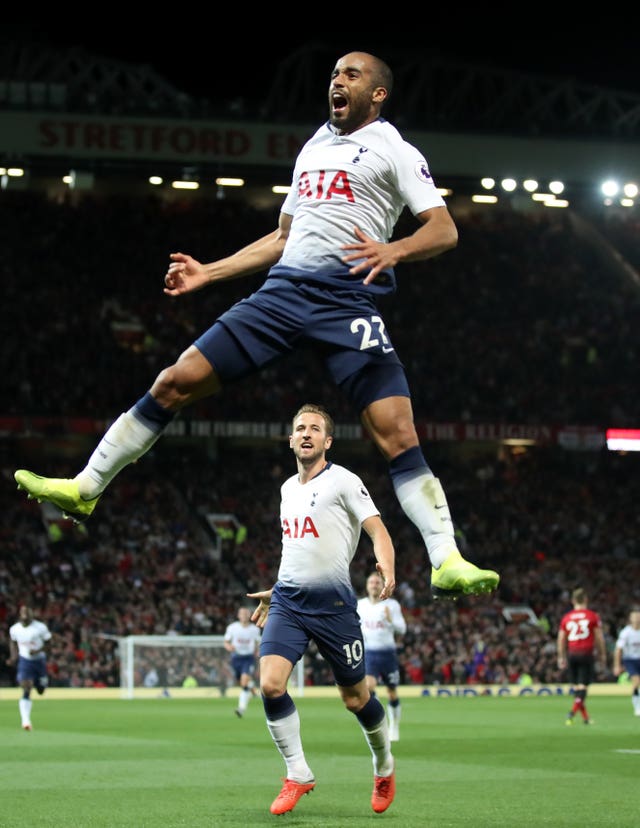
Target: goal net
(195,665)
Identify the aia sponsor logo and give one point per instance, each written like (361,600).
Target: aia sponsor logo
(323,185)
(299,528)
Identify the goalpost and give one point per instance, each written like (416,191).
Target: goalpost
(160,664)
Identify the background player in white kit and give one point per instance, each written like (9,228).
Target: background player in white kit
(627,656)
(29,641)
(382,620)
(329,260)
(242,640)
(323,510)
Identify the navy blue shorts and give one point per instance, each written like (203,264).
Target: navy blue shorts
(344,326)
(242,664)
(34,670)
(338,637)
(632,666)
(383,666)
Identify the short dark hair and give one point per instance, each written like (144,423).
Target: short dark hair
(383,76)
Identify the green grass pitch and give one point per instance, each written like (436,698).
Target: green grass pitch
(168,763)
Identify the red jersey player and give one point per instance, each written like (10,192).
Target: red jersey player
(580,641)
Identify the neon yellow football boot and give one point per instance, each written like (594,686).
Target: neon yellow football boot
(61,492)
(457,577)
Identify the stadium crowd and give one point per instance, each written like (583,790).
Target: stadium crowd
(524,322)
(520,324)
(146,564)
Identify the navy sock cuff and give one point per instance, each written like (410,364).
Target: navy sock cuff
(152,414)
(371,714)
(279,707)
(409,462)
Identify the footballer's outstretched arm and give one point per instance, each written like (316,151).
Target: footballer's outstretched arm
(186,274)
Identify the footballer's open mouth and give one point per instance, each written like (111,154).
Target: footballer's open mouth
(338,102)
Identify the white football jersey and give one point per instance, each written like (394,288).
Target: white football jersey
(340,181)
(629,642)
(29,638)
(381,621)
(321,525)
(244,638)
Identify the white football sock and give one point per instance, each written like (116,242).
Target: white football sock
(243,701)
(424,502)
(25,710)
(380,746)
(127,439)
(286,737)
(394,714)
